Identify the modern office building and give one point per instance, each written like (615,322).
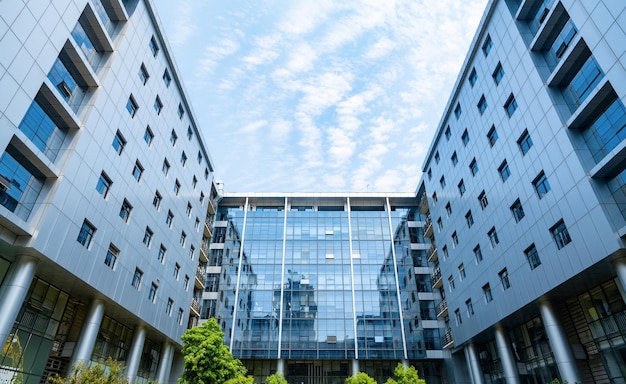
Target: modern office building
(320,286)
(105,187)
(524,189)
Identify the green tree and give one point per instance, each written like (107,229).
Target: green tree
(276,378)
(207,359)
(111,372)
(240,380)
(360,378)
(405,376)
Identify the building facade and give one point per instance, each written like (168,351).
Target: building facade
(524,194)
(105,192)
(320,286)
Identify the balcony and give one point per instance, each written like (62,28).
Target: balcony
(446,340)
(195,307)
(208,227)
(437,280)
(428,227)
(212,205)
(423,204)
(204,253)
(432,254)
(200,277)
(442,308)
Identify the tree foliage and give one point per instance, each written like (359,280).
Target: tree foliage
(240,380)
(111,372)
(276,378)
(207,359)
(405,376)
(360,378)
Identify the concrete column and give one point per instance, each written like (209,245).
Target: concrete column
(558,343)
(405,363)
(89,332)
(134,355)
(355,367)
(474,364)
(280,366)
(620,269)
(506,356)
(13,292)
(165,365)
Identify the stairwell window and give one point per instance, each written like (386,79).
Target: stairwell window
(87,230)
(511,105)
(560,234)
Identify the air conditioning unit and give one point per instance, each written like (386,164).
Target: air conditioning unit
(4,183)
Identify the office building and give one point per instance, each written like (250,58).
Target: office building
(524,190)
(106,185)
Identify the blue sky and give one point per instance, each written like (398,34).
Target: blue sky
(319,96)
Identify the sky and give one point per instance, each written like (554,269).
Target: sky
(318,95)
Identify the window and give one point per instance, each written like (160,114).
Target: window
(458,111)
(492,136)
(461,272)
(583,83)
(111,258)
(179,318)
(457,316)
(465,137)
(493,237)
(455,239)
(517,210)
(482,200)
(435,199)
(541,185)
(469,219)
(176,270)
(147,237)
(461,187)
(498,74)
(181,111)
(154,47)
(158,105)
(136,282)
(162,253)
(189,133)
(524,142)
(442,182)
(199,157)
(192,252)
(153,292)
(470,307)
(454,159)
(148,136)
(186,283)
(560,234)
(440,224)
(560,44)
(194,182)
(437,158)
(183,158)
(430,173)
(532,256)
(504,171)
(201,198)
(487,45)
(510,106)
(473,77)
(143,74)
(86,233)
(125,210)
(478,254)
(104,185)
(137,171)
(166,167)
(487,293)
(177,187)
(451,283)
(504,279)
(169,219)
(168,307)
(206,172)
(448,209)
(118,142)
(167,79)
(183,238)
(173,138)
(448,133)
(445,252)
(482,104)
(131,106)
(603,133)
(156,201)
(196,225)
(473,167)
(189,209)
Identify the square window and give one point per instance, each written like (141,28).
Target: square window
(487,293)
(183,158)
(430,173)
(458,111)
(86,233)
(143,74)
(201,198)
(173,138)
(131,106)
(181,111)
(493,237)
(199,157)
(435,199)
(542,187)
(137,171)
(461,187)
(465,137)
(482,104)
(454,159)
(136,282)
(482,200)
(158,105)
(176,271)
(194,182)
(504,171)
(147,237)
(469,219)
(448,133)
(169,219)
(183,238)
(176,187)
(179,318)
(457,316)
(186,283)
(473,167)
(118,143)
(189,133)
(470,307)
(156,201)
(125,210)
(473,77)
(504,279)
(189,209)
(455,239)
(162,253)
(461,272)
(167,79)
(444,250)
(451,283)
(498,74)
(111,257)
(478,254)
(197,224)
(492,136)
(448,209)
(524,142)
(437,158)
(440,224)
(168,307)
(560,234)
(517,210)
(510,106)
(154,47)
(532,256)
(148,136)
(166,167)
(153,292)
(192,252)
(442,182)
(104,185)
(487,45)
(206,172)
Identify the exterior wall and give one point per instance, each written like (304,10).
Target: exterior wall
(42,216)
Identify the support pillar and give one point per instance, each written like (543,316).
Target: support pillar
(355,367)
(558,343)
(474,364)
(165,365)
(280,366)
(13,292)
(89,332)
(506,356)
(134,355)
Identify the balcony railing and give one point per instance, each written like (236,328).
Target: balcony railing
(201,275)
(437,278)
(432,254)
(195,306)
(442,308)
(446,340)
(609,326)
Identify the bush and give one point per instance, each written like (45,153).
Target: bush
(360,378)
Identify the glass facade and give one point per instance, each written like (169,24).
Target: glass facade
(23,186)
(42,131)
